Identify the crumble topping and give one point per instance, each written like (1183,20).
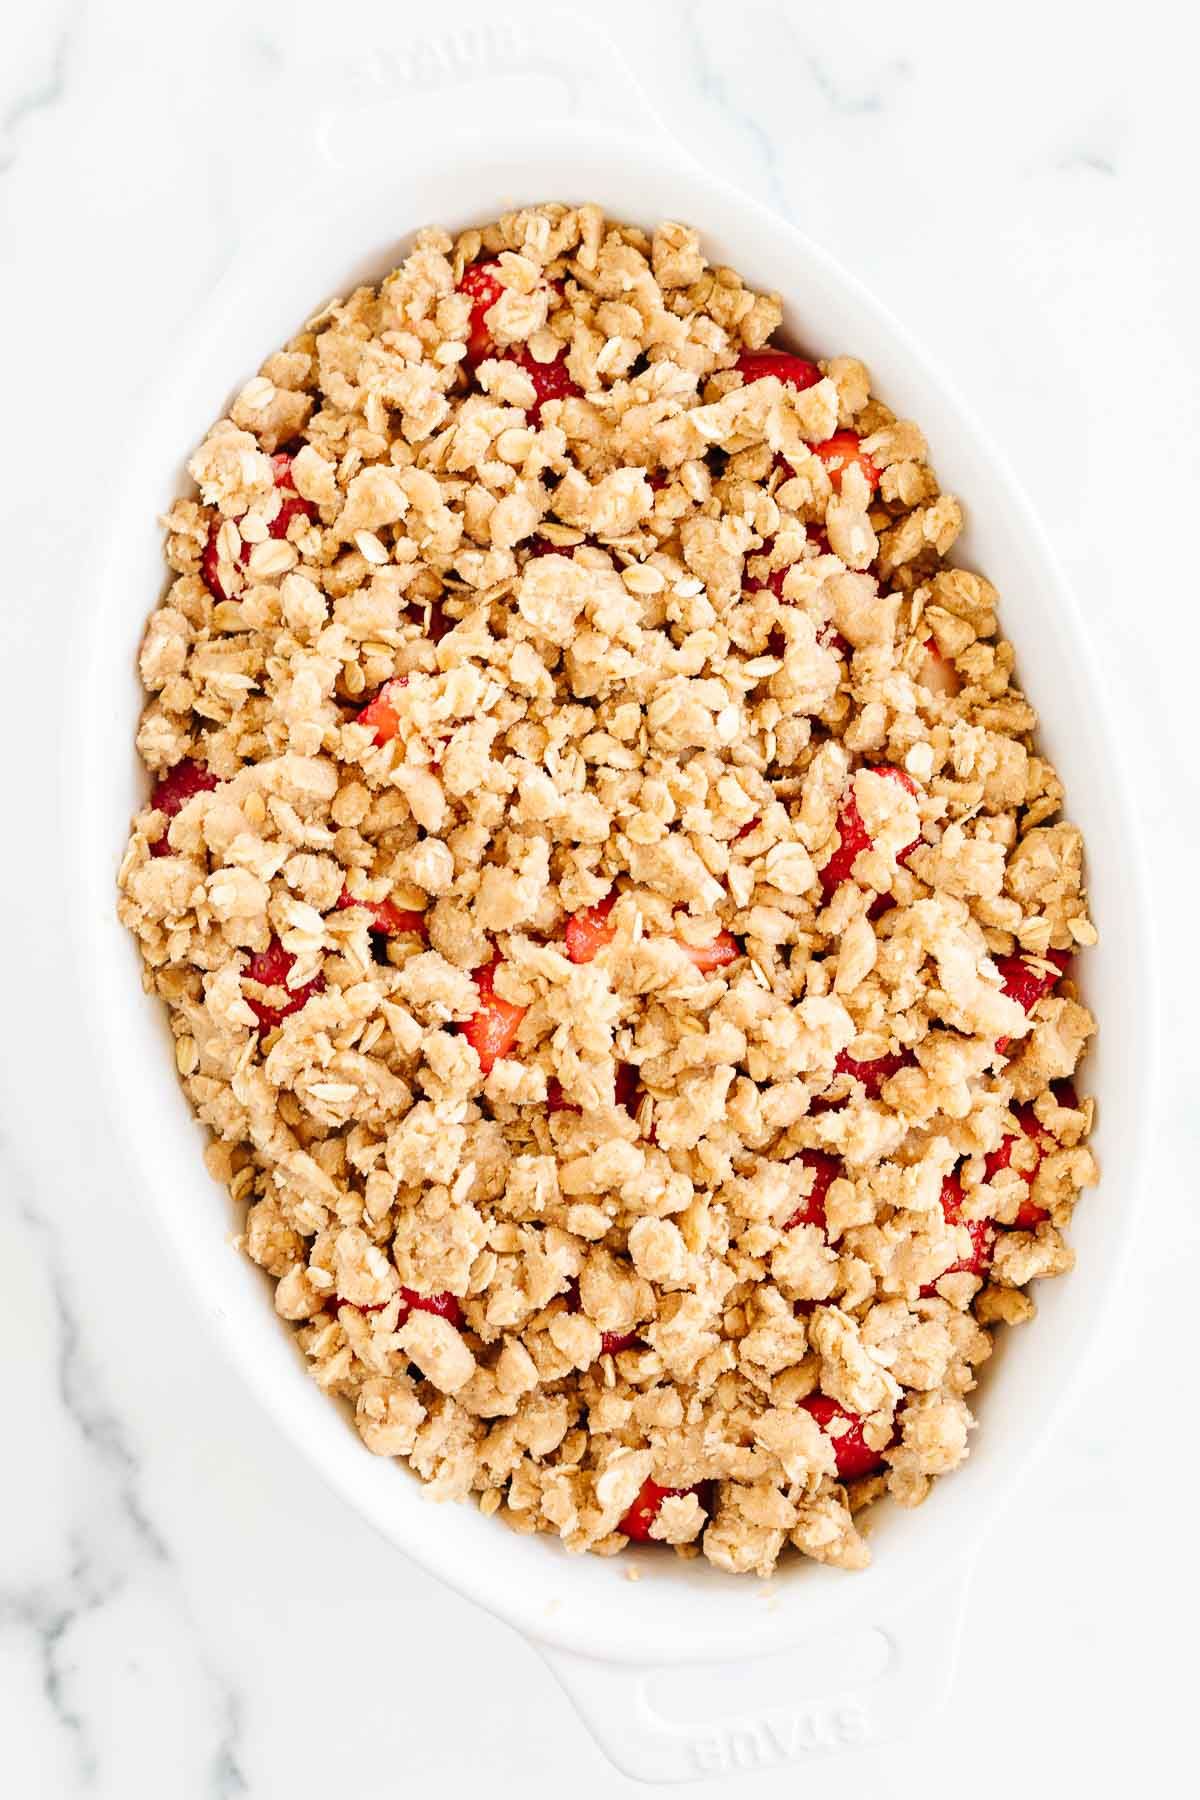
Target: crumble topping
(615,922)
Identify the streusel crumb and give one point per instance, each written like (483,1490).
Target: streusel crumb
(615,922)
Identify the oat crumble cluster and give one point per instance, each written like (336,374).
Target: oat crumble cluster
(613,916)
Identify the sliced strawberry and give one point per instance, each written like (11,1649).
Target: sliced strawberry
(982,1233)
(588,931)
(174,789)
(290,508)
(388,920)
(551,381)
(839,451)
(874,1073)
(445,1305)
(492,1030)
(380,712)
(825,1169)
(854,836)
(716,954)
(853,1455)
(481,282)
(1026,984)
(645,1509)
(794,371)
(272,967)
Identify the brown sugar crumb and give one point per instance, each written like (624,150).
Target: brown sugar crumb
(614,918)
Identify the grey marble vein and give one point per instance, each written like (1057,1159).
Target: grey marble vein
(872,99)
(111,1546)
(713,85)
(43,93)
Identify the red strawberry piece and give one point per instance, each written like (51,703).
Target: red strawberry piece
(839,452)
(1029,1216)
(875,1072)
(551,381)
(657,479)
(387,919)
(380,712)
(825,1169)
(1022,982)
(292,507)
(854,836)
(588,930)
(492,1029)
(853,1455)
(982,1233)
(445,1305)
(716,954)
(272,967)
(481,282)
(794,371)
(645,1509)
(174,789)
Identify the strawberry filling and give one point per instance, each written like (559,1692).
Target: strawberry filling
(388,920)
(874,1072)
(492,1028)
(291,507)
(853,1455)
(982,1233)
(646,1508)
(445,1305)
(794,371)
(588,931)
(380,713)
(481,283)
(551,380)
(1025,984)
(840,452)
(854,835)
(271,968)
(1029,1216)
(175,789)
(825,1169)
(716,954)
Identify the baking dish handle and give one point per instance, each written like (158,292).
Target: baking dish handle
(855,1690)
(530,64)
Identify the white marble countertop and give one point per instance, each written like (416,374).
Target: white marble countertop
(184,1610)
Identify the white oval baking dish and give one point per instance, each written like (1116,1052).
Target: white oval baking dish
(608,1639)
